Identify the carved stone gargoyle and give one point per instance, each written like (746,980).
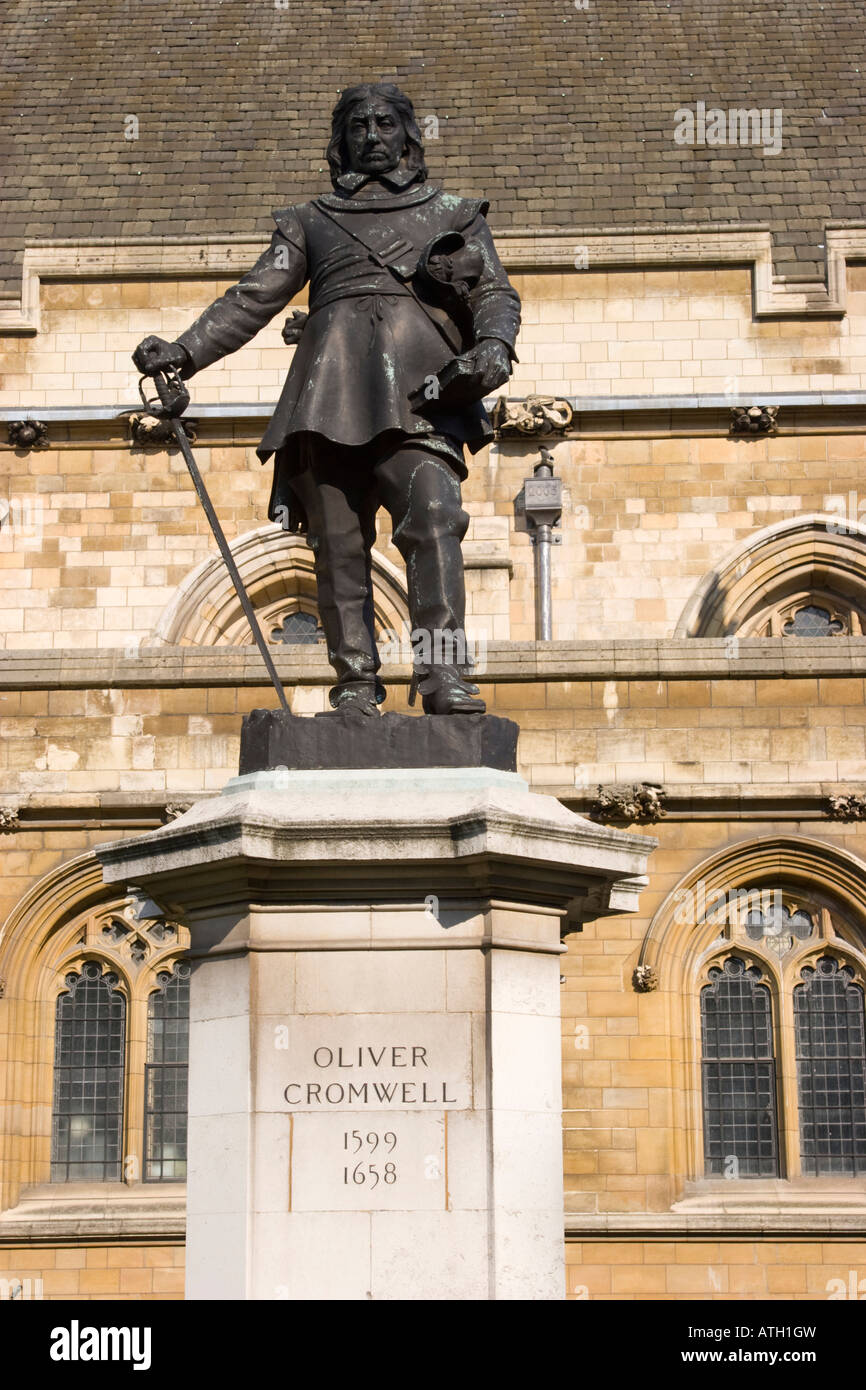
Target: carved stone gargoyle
(147,429)
(537,415)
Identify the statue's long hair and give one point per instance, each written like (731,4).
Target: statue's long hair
(337,154)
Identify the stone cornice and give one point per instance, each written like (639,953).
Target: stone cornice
(676,659)
(565,249)
(169,1227)
(145,810)
(281,837)
(620,1226)
(813,1207)
(726,801)
(803,412)
(109,1212)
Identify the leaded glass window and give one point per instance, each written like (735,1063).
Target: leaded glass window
(813,621)
(89,1045)
(831,1070)
(811,613)
(298,629)
(779,921)
(165,1078)
(779,928)
(739,1076)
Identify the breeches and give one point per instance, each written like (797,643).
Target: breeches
(341,493)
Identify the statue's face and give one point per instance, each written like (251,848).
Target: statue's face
(375,138)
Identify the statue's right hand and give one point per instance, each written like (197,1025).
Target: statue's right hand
(155,355)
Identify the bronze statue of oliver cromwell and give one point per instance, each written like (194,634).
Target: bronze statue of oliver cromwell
(412,321)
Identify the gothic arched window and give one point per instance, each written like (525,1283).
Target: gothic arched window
(121,1043)
(165,1078)
(89,1053)
(739,1076)
(831,1070)
(760,953)
(783,1029)
(799,578)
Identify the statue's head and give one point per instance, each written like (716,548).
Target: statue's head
(373,130)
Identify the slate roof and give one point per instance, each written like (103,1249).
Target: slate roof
(563,116)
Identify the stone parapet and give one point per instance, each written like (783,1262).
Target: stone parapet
(649,658)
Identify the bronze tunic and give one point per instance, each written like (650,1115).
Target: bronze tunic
(368,342)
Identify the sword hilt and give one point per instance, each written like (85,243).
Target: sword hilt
(173,397)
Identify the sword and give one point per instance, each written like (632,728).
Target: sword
(173,401)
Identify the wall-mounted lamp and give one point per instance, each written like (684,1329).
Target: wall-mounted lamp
(542,509)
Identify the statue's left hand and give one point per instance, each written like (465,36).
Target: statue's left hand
(491,363)
(467,378)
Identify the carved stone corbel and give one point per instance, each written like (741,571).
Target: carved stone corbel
(848,806)
(9,819)
(638,803)
(28,434)
(754,419)
(645,979)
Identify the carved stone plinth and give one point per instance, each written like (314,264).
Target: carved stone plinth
(375,1093)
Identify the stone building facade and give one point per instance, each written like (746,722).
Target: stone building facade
(704,684)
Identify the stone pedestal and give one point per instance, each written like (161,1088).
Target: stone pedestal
(342,739)
(375,1094)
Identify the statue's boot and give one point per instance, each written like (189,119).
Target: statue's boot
(423,496)
(356,697)
(444,690)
